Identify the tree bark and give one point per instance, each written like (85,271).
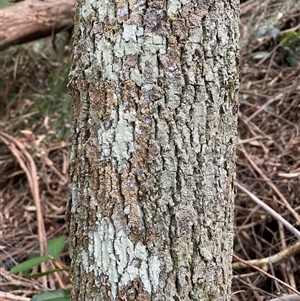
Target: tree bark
(33,19)
(155,87)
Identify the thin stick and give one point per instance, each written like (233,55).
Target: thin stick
(272,212)
(270,183)
(267,274)
(27,164)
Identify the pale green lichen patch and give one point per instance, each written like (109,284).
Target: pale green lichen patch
(106,8)
(87,10)
(131,48)
(74,197)
(115,255)
(118,140)
(129,32)
(136,76)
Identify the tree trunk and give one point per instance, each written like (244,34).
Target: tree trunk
(155,87)
(33,19)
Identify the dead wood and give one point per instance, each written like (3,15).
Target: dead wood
(29,20)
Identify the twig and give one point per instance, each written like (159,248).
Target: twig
(292,297)
(286,267)
(25,159)
(270,211)
(270,183)
(9,296)
(267,274)
(276,97)
(274,259)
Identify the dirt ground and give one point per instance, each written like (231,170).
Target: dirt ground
(34,156)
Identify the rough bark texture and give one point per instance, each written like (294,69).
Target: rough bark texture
(155,87)
(33,19)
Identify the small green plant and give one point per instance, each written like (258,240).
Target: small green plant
(291,46)
(54,248)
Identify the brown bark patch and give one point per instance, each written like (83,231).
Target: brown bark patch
(133,291)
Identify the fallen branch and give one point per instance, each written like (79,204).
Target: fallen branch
(29,20)
(268,261)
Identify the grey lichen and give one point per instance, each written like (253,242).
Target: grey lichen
(115,255)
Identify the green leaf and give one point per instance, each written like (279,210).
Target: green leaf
(29,264)
(56,245)
(57,295)
(292,60)
(38,275)
(290,37)
(4,3)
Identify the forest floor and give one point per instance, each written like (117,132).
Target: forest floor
(35,120)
